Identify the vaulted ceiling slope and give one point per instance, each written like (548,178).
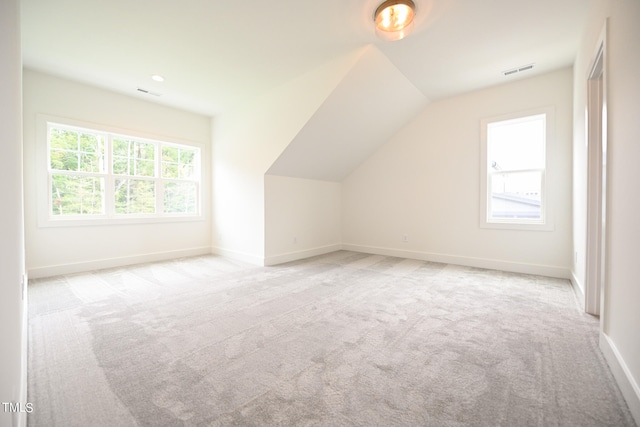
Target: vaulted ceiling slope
(368,106)
(217,54)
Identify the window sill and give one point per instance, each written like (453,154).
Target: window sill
(104,221)
(506,225)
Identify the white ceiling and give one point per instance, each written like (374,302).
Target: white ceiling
(215,54)
(369,105)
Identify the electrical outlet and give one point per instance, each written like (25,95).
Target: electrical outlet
(295,240)
(405,238)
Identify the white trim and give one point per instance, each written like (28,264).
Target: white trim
(121,219)
(238,255)
(79,267)
(596,139)
(628,385)
(45,219)
(491,264)
(24,378)
(41,119)
(547,221)
(297,255)
(578,290)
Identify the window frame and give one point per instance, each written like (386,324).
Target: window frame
(546,221)
(110,216)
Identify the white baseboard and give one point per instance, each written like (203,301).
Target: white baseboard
(622,374)
(79,267)
(541,270)
(491,264)
(22,417)
(578,290)
(306,253)
(238,255)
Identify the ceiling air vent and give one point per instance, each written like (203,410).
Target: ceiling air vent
(149,92)
(518,69)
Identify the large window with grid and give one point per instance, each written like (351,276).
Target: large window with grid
(514,190)
(93,174)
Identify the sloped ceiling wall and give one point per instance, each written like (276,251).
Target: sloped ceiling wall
(247,141)
(371,103)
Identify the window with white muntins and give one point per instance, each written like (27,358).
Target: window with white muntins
(98,176)
(513,170)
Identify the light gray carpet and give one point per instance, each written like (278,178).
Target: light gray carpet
(338,340)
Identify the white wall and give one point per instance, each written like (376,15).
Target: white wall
(582,67)
(302,218)
(424,183)
(58,250)
(369,105)
(246,143)
(12,304)
(620,340)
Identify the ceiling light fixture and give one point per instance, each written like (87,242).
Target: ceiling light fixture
(394,19)
(157,78)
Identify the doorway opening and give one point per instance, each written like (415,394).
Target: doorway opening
(596,181)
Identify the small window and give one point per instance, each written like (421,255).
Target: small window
(513,171)
(99,175)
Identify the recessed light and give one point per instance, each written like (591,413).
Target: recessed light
(157,77)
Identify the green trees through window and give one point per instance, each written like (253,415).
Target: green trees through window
(98,174)
(77,185)
(131,159)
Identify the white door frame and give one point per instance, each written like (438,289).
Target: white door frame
(596,180)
